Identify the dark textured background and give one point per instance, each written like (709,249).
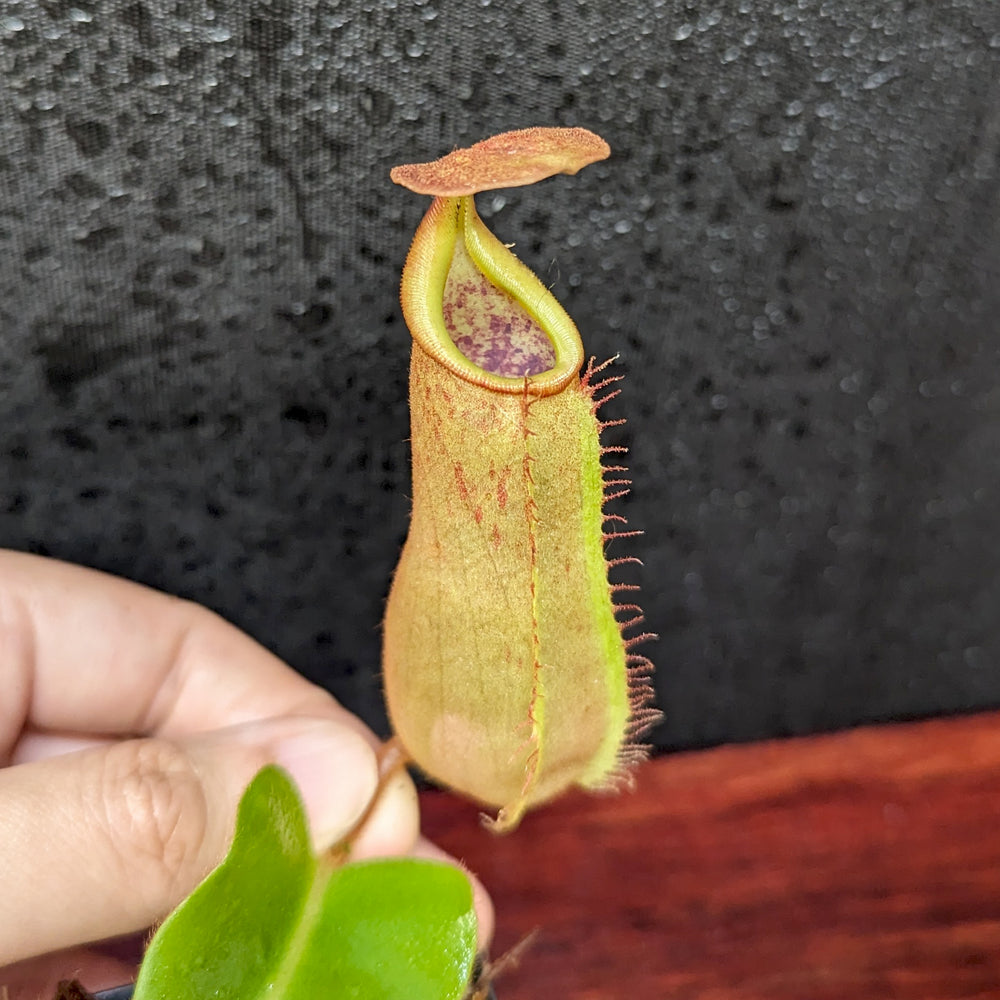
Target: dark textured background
(795,248)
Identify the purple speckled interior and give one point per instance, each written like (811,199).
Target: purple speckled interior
(490,327)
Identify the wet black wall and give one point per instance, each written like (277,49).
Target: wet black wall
(794,249)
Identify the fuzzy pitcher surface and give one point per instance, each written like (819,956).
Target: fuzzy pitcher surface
(507,674)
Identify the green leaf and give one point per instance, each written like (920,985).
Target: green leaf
(274,920)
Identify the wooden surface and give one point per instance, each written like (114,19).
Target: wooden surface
(858,865)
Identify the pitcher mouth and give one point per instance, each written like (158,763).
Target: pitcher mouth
(458,272)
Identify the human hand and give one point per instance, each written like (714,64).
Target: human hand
(130,724)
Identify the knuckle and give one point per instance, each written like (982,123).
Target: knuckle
(157,815)
(17,641)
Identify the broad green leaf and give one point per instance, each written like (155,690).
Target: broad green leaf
(274,921)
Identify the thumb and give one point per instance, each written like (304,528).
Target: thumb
(108,840)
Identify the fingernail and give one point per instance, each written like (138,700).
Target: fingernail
(336,773)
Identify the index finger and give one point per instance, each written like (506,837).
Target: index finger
(85,652)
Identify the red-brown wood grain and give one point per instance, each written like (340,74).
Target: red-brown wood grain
(857,865)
